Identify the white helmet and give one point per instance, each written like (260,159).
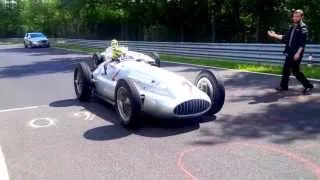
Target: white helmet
(114,43)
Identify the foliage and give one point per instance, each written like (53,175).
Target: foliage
(157,20)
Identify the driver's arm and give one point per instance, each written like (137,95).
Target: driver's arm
(116,53)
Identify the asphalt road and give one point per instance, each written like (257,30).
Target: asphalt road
(45,133)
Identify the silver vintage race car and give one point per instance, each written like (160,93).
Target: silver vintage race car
(136,84)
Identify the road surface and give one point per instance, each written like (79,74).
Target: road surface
(45,133)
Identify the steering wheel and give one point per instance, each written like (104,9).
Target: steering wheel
(123,57)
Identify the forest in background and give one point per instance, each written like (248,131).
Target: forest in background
(157,20)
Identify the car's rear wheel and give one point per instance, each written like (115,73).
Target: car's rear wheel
(128,103)
(156,57)
(82,81)
(213,86)
(96,60)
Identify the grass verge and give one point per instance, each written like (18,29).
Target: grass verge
(310,72)
(7,42)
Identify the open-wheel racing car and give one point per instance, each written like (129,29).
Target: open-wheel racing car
(136,85)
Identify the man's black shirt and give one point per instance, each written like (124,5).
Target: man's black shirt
(295,38)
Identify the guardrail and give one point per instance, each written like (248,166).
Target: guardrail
(265,53)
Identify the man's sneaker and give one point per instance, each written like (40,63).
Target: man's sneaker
(307,90)
(281,89)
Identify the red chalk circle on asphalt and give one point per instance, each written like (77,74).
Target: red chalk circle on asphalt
(308,164)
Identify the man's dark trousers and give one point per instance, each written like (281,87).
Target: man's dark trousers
(294,65)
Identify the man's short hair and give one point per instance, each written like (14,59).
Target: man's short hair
(297,11)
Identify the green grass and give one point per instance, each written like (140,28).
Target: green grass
(7,42)
(78,48)
(310,72)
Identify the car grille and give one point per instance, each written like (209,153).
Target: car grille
(192,107)
(44,41)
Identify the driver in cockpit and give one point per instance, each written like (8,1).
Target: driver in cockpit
(116,51)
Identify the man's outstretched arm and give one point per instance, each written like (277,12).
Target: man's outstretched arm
(275,35)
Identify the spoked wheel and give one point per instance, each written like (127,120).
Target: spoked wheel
(96,60)
(156,57)
(124,104)
(128,103)
(207,82)
(82,81)
(206,86)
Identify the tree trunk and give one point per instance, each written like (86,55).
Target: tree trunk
(122,33)
(213,28)
(212,20)
(258,29)
(181,32)
(144,32)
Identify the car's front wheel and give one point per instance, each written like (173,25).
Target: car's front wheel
(213,86)
(128,103)
(82,81)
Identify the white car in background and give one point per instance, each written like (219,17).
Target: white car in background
(35,39)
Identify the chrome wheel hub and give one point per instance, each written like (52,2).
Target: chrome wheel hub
(78,82)
(205,85)
(124,104)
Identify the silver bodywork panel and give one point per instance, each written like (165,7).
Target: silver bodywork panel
(163,93)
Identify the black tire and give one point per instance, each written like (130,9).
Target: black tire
(30,45)
(217,96)
(82,73)
(133,120)
(156,57)
(25,45)
(96,60)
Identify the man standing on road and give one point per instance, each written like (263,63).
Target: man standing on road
(295,41)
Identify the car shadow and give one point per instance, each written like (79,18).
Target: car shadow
(151,127)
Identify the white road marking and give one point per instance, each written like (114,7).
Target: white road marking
(88,116)
(19,109)
(92,117)
(4,175)
(47,122)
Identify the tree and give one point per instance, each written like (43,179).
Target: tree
(165,20)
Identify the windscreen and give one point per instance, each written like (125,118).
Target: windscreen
(35,35)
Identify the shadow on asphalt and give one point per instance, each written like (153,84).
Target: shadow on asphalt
(279,123)
(58,65)
(151,127)
(274,96)
(38,51)
(286,116)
